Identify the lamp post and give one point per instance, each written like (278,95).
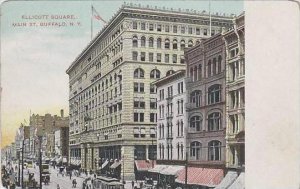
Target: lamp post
(123,168)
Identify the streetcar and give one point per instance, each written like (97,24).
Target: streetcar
(107,183)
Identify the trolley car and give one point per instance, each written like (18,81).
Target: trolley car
(107,183)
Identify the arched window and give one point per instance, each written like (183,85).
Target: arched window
(167,44)
(219,64)
(151,42)
(134,41)
(214,121)
(174,44)
(170,72)
(182,45)
(190,43)
(209,68)
(143,41)
(214,150)
(155,74)
(214,94)
(106,83)
(138,73)
(195,73)
(195,150)
(196,98)
(158,43)
(214,66)
(195,123)
(197,42)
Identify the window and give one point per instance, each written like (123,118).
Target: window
(170,91)
(214,150)
(197,31)
(151,27)
(174,29)
(153,117)
(182,59)
(139,103)
(159,27)
(158,43)
(167,28)
(143,56)
(155,74)
(214,70)
(143,132)
(158,58)
(151,42)
(174,44)
(190,30)
(152,135)
(136,130)
(153,104)
(153,89)
(138,117)
(134,55)
(170,72)
(196,123)
(167,44)
(212,32)
(219,63)
(205,32)
(174,58)
(134,25)
(167,58)
(209,68)
(143,26)
(182,45)
(214,121)
(190,44)
(134,41)
(150,57)
(195,150)
(143,41)
(196,98)
(199,72)
(180,88)
(138,87)
(161,94)
(182,29)
(214,94)
(138,73)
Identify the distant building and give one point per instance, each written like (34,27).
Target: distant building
(61,137)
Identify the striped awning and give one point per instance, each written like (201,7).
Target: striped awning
(171,170)
(115,164)
(239,183)
(158,168)
(144,165)
(201,176)
(104,164)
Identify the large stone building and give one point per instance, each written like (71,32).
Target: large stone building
(110,82)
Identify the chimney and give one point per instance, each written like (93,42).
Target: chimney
(62,113)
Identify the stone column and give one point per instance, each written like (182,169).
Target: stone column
(239,97)
(236,156)
(128,163)
(147,151)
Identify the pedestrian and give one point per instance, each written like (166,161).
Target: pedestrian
(132,184)
(74,182)
(83,185)
(70,175)
(58,187)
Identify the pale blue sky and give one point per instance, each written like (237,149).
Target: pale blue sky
(34,59)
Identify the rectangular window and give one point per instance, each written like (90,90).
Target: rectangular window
(136,117)
(134,25)
(134,55)
(141,117)
(197,31)
(153,104)
(143,26)
(174,29)
(167,58)
(167,28)
(170,91)
(174,58)
(161,94)
(190,30)
(205,32)
(158,57)
(151,27)
(159,27)
(182,59)
(212,32)
(182,29)
(138,87)
(152,89)
(153,117)
(150,57)
(143,56)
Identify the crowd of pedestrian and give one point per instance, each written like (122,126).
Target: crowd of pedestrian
(8,177)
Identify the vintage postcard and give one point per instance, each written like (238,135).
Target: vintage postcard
(124,94)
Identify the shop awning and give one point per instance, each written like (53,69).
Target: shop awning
(158,168)
(53,159)
(239,183)
(201,176)
(171,170)
(115,164)
(136,131)
(227,180)
(152,131)
(58,160)
(143,131)
(144,165)
(104,164)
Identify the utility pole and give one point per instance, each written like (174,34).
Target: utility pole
(186,169)
(19,168)
(22,182)
(123,169)
(40,158)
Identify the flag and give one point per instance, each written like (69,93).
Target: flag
(97,16)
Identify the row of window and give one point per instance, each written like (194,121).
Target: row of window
(139,117)
(158,57)
(172,28)
(167,43)
(213,122)
(169,134)
(213,96)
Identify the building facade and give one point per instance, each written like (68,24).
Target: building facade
(61,139)
(171,99)
(235,81)
(206,113)
(110,82)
